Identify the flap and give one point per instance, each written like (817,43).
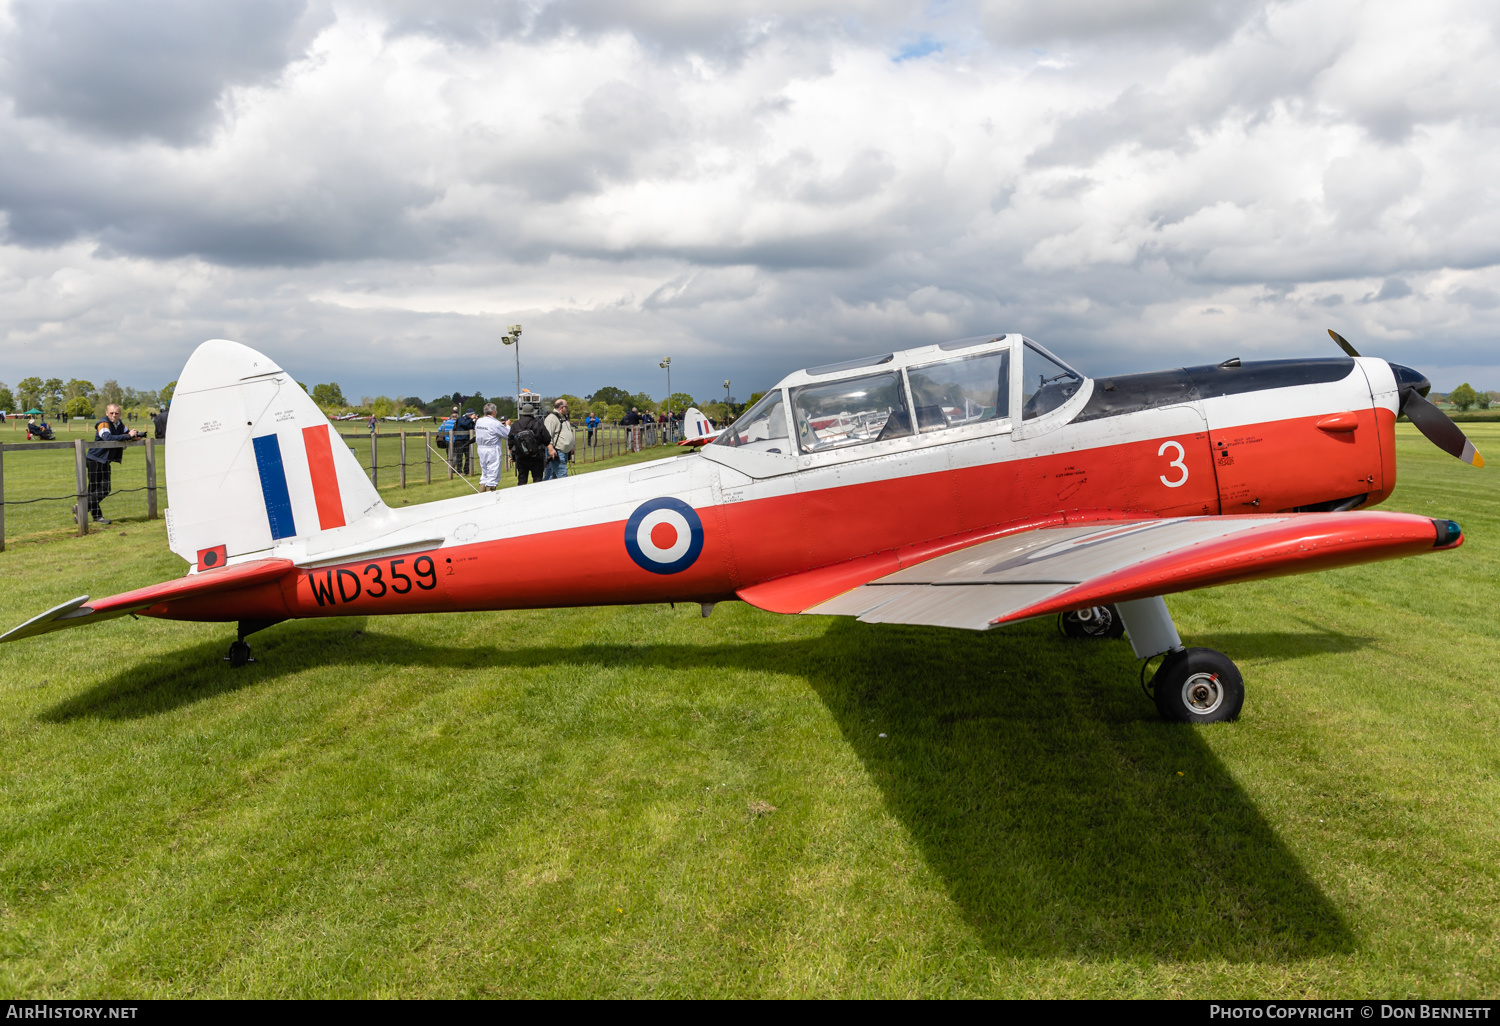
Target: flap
(1052,569)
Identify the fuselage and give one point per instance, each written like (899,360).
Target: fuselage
(890,460)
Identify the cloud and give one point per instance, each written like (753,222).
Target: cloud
(147,69)
(374,190)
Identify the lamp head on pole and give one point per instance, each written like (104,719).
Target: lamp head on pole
(515,329)
(507,339)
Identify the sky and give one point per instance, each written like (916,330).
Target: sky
(371,192)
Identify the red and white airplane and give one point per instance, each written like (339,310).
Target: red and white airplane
(970,484)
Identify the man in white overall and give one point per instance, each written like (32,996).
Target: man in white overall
(491,434)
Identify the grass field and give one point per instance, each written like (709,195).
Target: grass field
(637,801)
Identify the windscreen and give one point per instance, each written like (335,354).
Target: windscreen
(761,428)
(1045,383)
(969,390)
(849,412)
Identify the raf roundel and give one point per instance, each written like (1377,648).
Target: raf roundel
(664,536)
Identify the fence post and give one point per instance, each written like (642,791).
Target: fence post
(150,478)
(2,500)
(403,459)
(427,450)
(82,480)
(374,470)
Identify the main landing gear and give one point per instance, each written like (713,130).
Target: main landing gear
(1192,685)
(239,650)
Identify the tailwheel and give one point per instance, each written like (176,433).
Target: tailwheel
(1093,622)
(1198,685)
(239,654)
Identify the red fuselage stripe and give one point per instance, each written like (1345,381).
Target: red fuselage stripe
(325,479)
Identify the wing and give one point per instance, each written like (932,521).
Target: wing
(78,612)
(1048,570)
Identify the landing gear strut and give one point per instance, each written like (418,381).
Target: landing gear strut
(1192,685)
(239,651)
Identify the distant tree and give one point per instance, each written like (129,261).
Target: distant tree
(680,402)
(328,395)
(614,413)
(7,399)
(382,406)
(754,398)
(79,406)
(414,404)
(505,407)
(610,395)
(1463,396)
(29,394)
(52,395)
(111,392)
(165,395)
(643,402)
(599,408)
(1483,402)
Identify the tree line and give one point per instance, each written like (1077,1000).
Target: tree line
(78,397)
(609,403)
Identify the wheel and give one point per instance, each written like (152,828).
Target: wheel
(1198,685)
(239,654)
(1094,622)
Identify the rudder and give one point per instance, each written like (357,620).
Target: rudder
(252,461)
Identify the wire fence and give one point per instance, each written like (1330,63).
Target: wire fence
(44,486)
(404,458)
(47,487)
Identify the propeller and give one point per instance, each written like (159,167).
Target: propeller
(1431,421)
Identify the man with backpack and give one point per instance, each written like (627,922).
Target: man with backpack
(562,441)
(528,445)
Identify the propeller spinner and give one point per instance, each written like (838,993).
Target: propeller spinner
(1431,421)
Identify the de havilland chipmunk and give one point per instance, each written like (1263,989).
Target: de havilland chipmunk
(969,484)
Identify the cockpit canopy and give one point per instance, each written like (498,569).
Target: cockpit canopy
(895,395)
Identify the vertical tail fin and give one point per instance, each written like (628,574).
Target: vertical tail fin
(252,461)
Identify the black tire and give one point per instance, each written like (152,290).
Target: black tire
(239,653)
(1097,622)
(1198,685)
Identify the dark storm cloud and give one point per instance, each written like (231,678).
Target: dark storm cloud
(1198,23)
(149,68)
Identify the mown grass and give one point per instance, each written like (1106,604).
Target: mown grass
(580,802)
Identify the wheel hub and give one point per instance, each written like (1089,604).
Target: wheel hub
(1202,693)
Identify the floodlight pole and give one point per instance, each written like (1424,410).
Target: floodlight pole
(514,339)
(667,366)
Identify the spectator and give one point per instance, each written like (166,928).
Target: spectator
(590,423)
(562,440)
(528,445)
(39,429)
(490,433)
(633,429)
(463,433)
(372,423)
(111,429)
(159,421)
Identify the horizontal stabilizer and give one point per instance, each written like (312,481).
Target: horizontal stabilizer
(78,612)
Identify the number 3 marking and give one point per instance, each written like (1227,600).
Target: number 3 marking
(1181,455)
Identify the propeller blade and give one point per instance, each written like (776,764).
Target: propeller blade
(1343,342)
(1440,431)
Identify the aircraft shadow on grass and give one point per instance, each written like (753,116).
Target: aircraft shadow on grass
(1063,816)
